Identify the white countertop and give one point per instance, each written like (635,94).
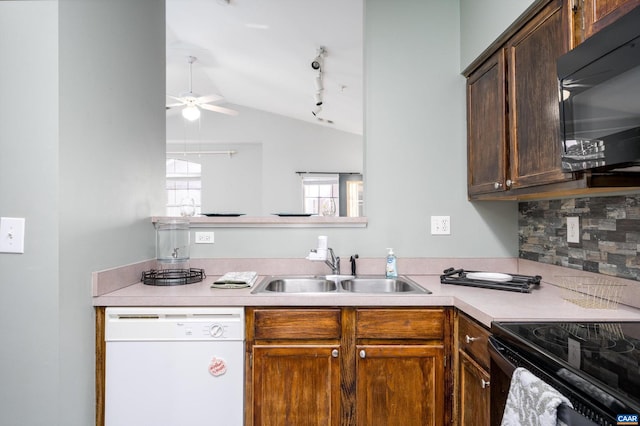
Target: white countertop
(485,305)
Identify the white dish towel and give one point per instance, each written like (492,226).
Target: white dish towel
(531,402)
(236,280)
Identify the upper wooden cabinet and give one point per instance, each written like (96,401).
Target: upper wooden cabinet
(513,120)
(594,15)
(486,127)
(513,125)
(533,101)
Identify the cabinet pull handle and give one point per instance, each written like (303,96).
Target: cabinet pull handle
(509,183)
(334,353)
(485,384)
(497,185)
(363,354)
(470,339)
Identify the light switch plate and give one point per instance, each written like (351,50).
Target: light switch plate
(12,234)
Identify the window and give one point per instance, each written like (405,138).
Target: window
(183,183)
(320,194)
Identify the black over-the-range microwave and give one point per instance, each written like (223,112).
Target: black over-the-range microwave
(600,100)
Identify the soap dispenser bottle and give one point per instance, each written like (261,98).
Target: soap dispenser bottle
(392,270)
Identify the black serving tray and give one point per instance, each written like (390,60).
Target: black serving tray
(519,283)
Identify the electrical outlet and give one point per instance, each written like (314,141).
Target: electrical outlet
(440,225)
(204,238)
(573,229)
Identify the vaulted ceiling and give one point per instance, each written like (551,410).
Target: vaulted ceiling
(258,54)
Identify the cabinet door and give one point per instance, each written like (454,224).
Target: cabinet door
(534,119)
(597,14)
(400,385)
(486,127)
(296,385)
(473,393)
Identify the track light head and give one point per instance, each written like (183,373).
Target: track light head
(316,64)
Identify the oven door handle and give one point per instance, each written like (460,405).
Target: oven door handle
(495,351)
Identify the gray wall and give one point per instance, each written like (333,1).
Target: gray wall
(82,135)
(111,157)
(481,22)
(260,179)
(415,150)
(29,284)
(82,132)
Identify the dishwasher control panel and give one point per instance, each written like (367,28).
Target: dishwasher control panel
(129,324)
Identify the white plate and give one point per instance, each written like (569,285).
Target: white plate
(489,276)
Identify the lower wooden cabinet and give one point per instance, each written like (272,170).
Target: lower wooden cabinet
(348,366)
(473,399)
(400,384)
(296,385)
(472,377)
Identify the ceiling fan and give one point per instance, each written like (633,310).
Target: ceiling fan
(192,102)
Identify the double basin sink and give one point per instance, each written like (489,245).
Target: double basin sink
(338,284)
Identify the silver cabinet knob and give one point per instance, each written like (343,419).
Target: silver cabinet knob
(509,183)
(497,185)
(485,384)
(363,354)
(334,353)
(470,339)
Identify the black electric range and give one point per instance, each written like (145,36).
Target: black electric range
(596,365)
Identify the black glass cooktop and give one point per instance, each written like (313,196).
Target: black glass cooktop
(607,354)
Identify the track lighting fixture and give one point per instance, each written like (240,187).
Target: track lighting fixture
(317,64)
(318,81)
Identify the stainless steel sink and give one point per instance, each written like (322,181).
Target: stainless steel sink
(296,285)
(338,284)
(381,285)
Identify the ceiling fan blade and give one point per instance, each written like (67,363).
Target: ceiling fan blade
(217,108)
(176,98)
(177,104)
(208,98)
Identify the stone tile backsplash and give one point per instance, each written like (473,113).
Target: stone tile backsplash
(609,234)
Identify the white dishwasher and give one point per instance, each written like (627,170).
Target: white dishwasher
(174,366)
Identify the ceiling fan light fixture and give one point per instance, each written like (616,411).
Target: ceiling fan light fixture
(191,113)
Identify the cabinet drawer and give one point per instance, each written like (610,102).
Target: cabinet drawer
(302,324)
(400,324)
(473,339)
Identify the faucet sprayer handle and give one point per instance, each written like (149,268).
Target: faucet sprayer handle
(352,259)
